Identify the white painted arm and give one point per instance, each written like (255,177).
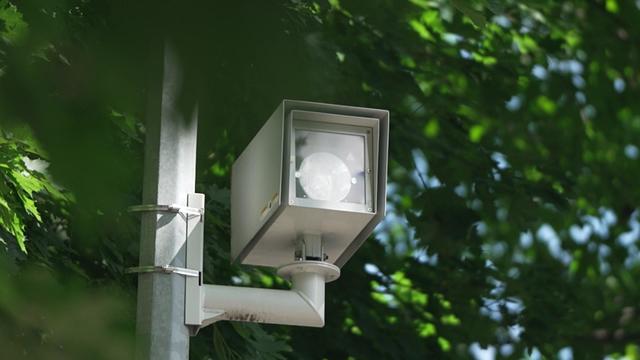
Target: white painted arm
(302,306)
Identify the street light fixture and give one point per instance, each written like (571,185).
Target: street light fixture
(305,194)
(314,171)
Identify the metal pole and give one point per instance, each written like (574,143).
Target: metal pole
(169,175)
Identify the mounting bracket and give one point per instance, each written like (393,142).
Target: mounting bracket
(205,304)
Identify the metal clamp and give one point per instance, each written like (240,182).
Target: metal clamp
(173,208)
(164,269)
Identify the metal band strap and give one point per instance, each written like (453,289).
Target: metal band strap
(164,269)
(173,208)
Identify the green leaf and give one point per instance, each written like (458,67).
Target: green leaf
(262,344)
(445,345)
(426,330)
(476,132)
(127,123)
(612,6)
(222,350)
(474,15)
(334,4)
(29,206)
(450,319)
(10,221)
(15,27)
(419,28)
(431,129)
(546,105)
(27,182)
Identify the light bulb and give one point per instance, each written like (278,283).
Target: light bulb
(324,176)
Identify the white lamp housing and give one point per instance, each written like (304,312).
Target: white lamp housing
(313,170)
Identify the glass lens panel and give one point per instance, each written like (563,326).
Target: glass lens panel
(330,166)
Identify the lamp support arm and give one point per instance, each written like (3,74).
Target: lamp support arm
(302,306)
(205,304)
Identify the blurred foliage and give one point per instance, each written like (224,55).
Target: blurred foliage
(19,188)
(514,159)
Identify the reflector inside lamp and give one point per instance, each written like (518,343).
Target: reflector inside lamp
(330,166)
(323,176)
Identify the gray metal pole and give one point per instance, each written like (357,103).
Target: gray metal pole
(169,175)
